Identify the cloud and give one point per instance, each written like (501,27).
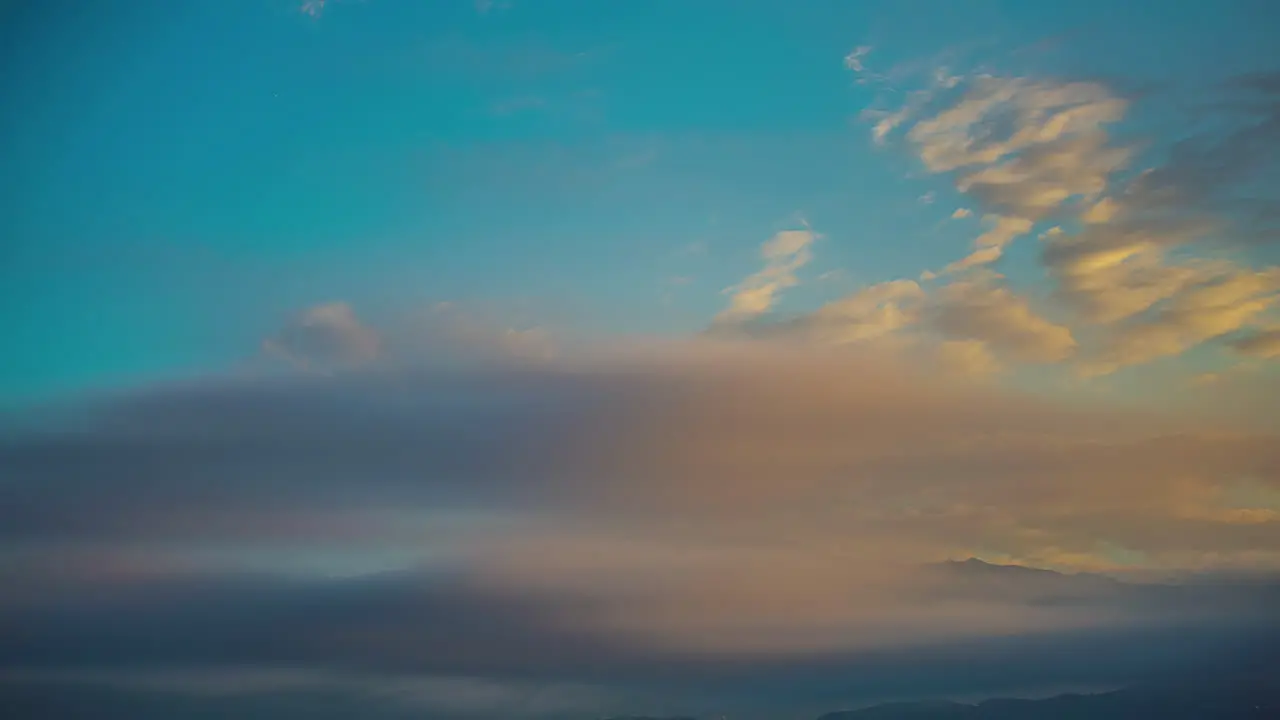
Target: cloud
(867,314)
(324,337)
(853,60)
(998,118)
(1226,172)
(783,254)
(1198,312)
(990,245)
(1029,150)
(1121,270)
(961,213)
(984,310)
(968,357)
(710,431)
(626,516)
(1114,273)
(1261,344)
(1020,149)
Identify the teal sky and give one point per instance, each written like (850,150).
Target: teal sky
(180,178)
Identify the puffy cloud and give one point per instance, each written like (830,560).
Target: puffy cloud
(961,213)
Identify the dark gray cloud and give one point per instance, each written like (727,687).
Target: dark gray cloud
(176,460)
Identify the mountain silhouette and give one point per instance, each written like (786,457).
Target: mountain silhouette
(1252,696)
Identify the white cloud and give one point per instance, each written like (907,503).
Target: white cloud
(961,213)
(784,254)
(853,60)
(1022,149)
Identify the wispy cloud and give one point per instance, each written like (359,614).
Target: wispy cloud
(1028,151)
(783,254)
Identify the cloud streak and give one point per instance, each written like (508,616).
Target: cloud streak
(783,255)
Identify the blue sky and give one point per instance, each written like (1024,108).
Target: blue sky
(184,176)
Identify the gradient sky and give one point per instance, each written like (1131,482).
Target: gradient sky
(678,336)
(183,176)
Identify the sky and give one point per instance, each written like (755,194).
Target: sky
(512,357)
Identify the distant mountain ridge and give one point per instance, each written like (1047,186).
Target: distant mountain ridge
(1250,697)
(981,568)
(975,579)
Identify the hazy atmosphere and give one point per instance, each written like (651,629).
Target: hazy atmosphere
(575,359)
